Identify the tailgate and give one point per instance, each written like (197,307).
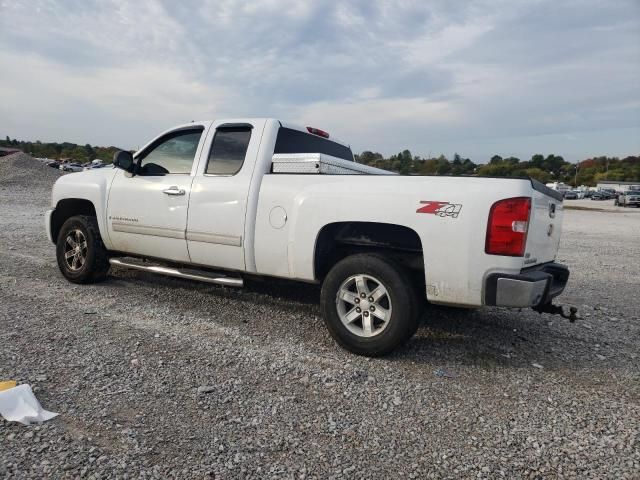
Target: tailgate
(545,225)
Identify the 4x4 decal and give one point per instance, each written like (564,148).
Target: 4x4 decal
(442,209)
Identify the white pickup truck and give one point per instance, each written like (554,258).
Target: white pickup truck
(219,201)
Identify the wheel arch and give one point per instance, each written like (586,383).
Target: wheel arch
(338,240)
(67,208)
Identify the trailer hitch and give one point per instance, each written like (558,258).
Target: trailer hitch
(558,310)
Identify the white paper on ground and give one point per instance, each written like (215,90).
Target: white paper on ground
(19,404)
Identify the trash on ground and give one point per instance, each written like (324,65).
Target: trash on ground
(19,404)
(537,365)
(7,384)
(444,373)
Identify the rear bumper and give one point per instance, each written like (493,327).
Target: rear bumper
(530,288)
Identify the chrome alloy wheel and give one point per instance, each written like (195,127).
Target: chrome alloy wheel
(364,305)
(75,250)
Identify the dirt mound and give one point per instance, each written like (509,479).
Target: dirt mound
(22,170)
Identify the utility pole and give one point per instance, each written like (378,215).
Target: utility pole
(575,182)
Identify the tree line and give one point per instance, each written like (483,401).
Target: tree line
(58,151)
(546,169)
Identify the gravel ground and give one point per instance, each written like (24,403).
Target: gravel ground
(163,378)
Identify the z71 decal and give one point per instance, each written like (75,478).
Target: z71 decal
(442,209)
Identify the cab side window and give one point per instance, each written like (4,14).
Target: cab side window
(173,153)
(228,150)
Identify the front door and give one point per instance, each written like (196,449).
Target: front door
(147,212)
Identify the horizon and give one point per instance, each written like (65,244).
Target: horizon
(421,158)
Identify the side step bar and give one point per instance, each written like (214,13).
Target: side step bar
(209,277)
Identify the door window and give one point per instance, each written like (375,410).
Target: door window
(173,153)
(229,150)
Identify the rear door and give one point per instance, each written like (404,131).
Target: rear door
(219,195)
(147,213)
(545,228)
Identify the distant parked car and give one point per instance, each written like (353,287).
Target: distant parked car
(93,167)
(600,196)
(71,167)
(570,195)
(628,199)
(53,164)
(94,164)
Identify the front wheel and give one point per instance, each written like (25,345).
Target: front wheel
(369,304)
(81,255)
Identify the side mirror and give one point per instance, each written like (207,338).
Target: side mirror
(124,160)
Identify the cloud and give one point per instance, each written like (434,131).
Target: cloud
(433,47)
(365,119)
(484,76)
(102,104)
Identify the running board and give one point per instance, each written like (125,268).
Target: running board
(209,277)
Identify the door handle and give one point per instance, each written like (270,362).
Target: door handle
(173,191)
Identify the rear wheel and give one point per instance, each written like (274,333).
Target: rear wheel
(369,304)
(81,255)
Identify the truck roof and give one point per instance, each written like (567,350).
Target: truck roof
(293,126)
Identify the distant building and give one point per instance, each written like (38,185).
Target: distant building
(617,185)
(558,186)
(4,151)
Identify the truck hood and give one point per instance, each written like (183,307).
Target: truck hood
(87,176)
(82,184)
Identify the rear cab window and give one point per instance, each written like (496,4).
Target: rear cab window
(228,150)
(290,140)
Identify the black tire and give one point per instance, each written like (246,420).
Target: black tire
(95,266)
(403,319)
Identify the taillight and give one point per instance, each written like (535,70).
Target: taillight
(317,131)
(508,226)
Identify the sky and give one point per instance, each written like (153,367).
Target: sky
(478,78)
